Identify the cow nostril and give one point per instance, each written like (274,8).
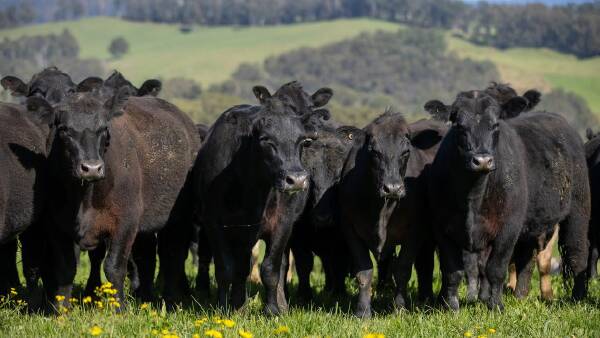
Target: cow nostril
(490,161)
(386,189)
(100,168)
(85,168)
(290,180)
(475,161)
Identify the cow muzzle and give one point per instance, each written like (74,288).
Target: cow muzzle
(295,181)
(91,170)
(393,191)
(482,163)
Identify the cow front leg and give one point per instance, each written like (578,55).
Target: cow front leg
(270,270)
(451,259)
(60,269)
(117,258)
(363,270)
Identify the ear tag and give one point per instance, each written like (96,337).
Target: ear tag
(350,136)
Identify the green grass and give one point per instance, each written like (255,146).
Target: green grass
(539,68)
(527,318)
(210,54)
(207,54)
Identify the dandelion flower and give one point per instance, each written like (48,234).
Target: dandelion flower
(282,330)
(228,323)
(59,298)
(87,300)
(73,300)
(13,292)
(468,334)
(154,332)
(200,322)
(374,335)
(245,334)
(195,335)
(481,336)
(144,306)
(213,333)
(95,330)
(492,330)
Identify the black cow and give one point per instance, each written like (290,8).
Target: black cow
(250,184)
(592,153)
(23,150)
(498,185)
(317,228)
(382,200)
(118,170)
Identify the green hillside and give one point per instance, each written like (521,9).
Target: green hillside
(210,54)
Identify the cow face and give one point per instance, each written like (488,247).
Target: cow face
(50,84)
(82,132)
(475,120)
(388,148)
(324,159)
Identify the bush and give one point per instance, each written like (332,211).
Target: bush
(181,88)
(118,47)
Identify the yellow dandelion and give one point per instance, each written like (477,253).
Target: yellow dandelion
(107,285)
(492,330)
(245,334)
(144,306)
(481,336)
(13,292)
(282,330)
(73,300)
(374,335)
(87,300)
(64,309)
(95,330)
(468,334)
(213,333)
(200,322)
(228,323)
(154,332)
(59,298)
(99,304)
(195,335)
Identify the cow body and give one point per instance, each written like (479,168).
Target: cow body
(498,185)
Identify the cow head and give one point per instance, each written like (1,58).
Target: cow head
(475,118)
(388,149)
(51,84)
(81,125)
(116,81)
(324,159)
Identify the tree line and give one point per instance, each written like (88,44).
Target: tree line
(572,29)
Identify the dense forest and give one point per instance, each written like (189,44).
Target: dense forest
(572,29)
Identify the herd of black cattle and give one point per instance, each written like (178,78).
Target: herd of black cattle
(108,168)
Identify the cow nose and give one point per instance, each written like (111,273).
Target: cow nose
(295,181)
(393,190)
(91,170)
(482,162)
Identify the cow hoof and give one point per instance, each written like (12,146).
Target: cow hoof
(399,302)
(272,310)
(363,313)
(495,306)
(452,303)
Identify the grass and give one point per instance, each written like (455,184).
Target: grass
(530,317)
(210,54)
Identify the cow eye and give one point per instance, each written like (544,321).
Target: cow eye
(494,126)
(307,142)
(263,139)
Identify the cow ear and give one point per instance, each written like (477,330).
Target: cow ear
(589,134)
(90,84)
(350,134)
(533,97)
(41,109)
(16,86)
(438,110)
(150,87)
(321,97)
(514,106)
(425,138)
(115,104)
(261,93)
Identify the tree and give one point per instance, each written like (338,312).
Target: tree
(118,47)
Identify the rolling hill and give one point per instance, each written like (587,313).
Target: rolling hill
(210,54)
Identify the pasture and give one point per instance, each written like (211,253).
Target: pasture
(324,318)
(210,54)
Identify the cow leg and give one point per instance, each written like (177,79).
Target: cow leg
(204,257)
(304,266)
(472,272)
(282,290)
(144,260)
(451,259)
(242,255)
(95,279)
(60,269)
(572,239)
(255,274)
(544,263)
(402,271)
(496,265)
(383,268)
(8,266)
(33,251)
(173,245)
(224,263)
(117,258)
(593,261)
(363,269)
(270,270)
(523,259)
(424,265)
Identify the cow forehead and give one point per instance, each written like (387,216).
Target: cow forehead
(81,112)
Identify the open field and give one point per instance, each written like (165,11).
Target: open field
(210,54)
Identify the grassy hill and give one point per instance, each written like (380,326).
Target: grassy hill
(210,54)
